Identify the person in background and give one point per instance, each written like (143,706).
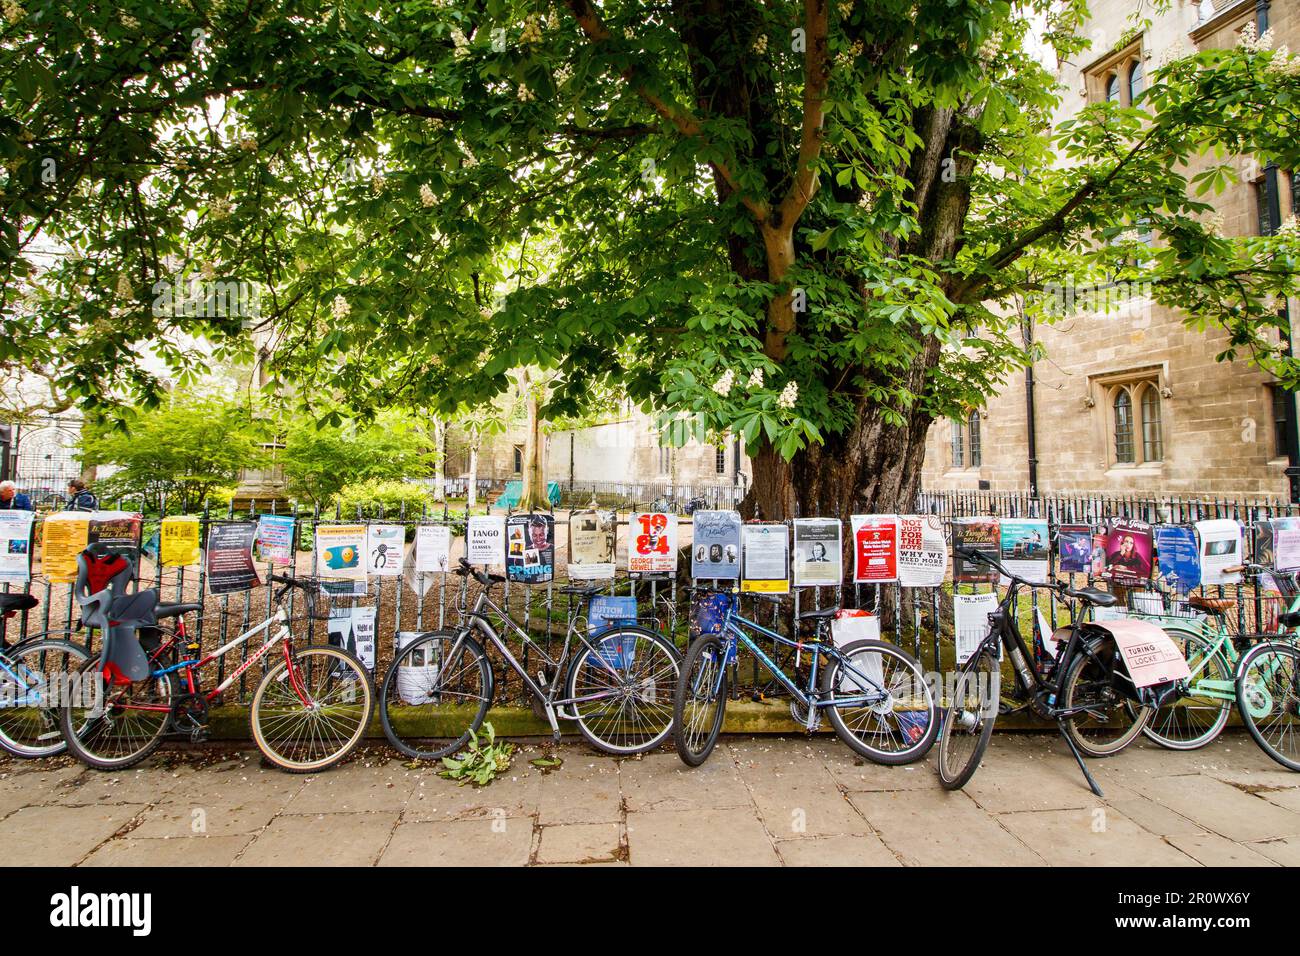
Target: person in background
(80,498)
(11,499)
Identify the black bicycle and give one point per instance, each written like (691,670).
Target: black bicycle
(1085,690)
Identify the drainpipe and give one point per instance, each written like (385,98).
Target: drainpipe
(1031,436)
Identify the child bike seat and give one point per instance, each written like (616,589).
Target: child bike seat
(100,589)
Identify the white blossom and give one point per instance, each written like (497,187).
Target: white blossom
(248,144)
(760,44)
(124,290)
(130,22)
(789,395)
(208,270)
(724,384)
(219,208)
(525,94)
(1290,228)
(1214,224)
(532,32)
(846,8)
(756,378)
(377,182)
(340,307)
(426,195)
(13,10)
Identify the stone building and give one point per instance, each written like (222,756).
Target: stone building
(1133,401)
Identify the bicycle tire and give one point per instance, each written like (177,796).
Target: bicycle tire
(1069,687)
(661,721)
(707,653)
(962,723)
(80,739)
(45,723)
(1163,724)
(1257,701)
(389,711)
(907,721)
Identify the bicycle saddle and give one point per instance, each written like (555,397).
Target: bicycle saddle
(820,615)
(175,610)
(1094,596)
(1289,618)
(587,591)
(10,603)
(1211,604)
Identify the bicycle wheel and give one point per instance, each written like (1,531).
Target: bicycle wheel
(898,728)
(622,691)
(700,701)
(1107,727)
(114,726)
(33,679)
(310,711)
(437,683)
(1268,696)
(968,721)
(1195,720)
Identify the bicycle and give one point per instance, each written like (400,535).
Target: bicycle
(1084,691)
(309,710)
(617,687)
(879,701)
(33,674)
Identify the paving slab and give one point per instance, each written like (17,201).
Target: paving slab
(191,851)
(60,836)
(1100,836)
(860,850)
(1020,776)
(355,787)
(326,839)
(585,789)
(1150,815)
(579,843)
(732,837)
(1220,807)
(1285,852)
(1210,849)
(660,781)
(36,787)
(434,799)
(181,819)
(505,842)
(938,828)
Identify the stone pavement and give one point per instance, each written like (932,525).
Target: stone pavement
(758,801)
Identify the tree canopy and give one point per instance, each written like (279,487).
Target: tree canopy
(801,222)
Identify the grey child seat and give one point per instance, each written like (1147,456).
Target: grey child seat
(102,579)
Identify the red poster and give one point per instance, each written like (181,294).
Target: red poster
(875,548)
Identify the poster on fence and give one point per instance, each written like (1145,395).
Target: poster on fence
(922,551)
(16,546)
(1277,543)
(970,614)
(178,542)
(417,674)
(875,548)
(530,548)
(485,540)
(606,610)
(275,539)
(65,535)
(1074,548)
(1128,551)
(1024,548)
(339,561)
(385,549)
(432,548)
(766,552)
(229,559)
(979,534)
(818,547)
(715,545)
(1220,550)
(652,544)
(591,545)
(1177,559)
(353,629)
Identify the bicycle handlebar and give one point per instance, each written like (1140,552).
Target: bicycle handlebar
(484,578)
(979,557)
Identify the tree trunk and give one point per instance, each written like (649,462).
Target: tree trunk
(532,495)
(439,461)
(472,491)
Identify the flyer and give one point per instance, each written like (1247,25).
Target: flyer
(591,544)
(1128,551)
(178,542)
(229,560)
(1024,548)
(715,545)
(1150,654)
(353,629)
(1220,549)
(385,549)
(1179,561)
(1277,543)
(339,549)
(530,548)
(1074,548)
(971,621)
(485,540)
(417,672)
(652,544)
(818,552)
(275,539)
(766,550)
(922,551)
(875,548)
(432,548)
(16,546)
(66,535)
(980,534)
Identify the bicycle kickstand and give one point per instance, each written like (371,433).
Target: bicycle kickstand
(1092,784)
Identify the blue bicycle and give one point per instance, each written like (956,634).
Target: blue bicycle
(34,674)
(876,695)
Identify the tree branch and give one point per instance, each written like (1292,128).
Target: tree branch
(816,72)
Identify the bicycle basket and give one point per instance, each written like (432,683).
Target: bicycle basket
(709,612)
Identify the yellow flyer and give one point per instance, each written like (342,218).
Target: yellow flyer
(178,542)
(66,535)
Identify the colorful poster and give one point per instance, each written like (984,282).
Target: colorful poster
(432,548)
(1149,653)
(1074,548)
(385,549)
(530,548)
(353,629)
(715,545)
(1128,551)
(1220,550)
(591,545)
(606,610)
(65,535)
(178,542)
(339,555)
(875,548)
(652,544)
(922,551)
(1277,543)
(16,546)
(229,559)
(275,539)
(981,534)
(1024,548)
(818,550)
(766,553)
(118,530)
(971,621)
(1178,560)
(485,540)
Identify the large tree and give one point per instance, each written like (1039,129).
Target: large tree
(800,222)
